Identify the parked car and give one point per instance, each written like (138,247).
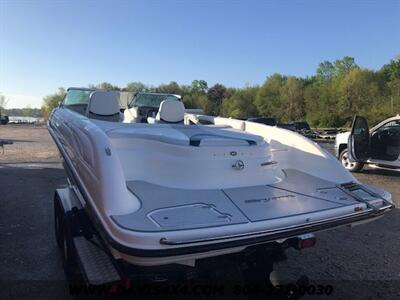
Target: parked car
(4,120)
(379,146)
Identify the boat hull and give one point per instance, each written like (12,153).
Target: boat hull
(172,224)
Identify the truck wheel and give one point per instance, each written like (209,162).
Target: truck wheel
(351,166)
(58,221)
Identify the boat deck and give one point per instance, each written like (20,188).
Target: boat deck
(165,209)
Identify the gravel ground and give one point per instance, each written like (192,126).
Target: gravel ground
(360,262)
(31,144)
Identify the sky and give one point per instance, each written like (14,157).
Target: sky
(49,44)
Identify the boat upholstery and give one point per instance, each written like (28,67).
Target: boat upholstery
(131,115)
(170,111)
(104,105)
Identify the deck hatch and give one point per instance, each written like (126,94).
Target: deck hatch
(165,208)
(198,214)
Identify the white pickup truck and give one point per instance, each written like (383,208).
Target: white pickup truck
(379,146)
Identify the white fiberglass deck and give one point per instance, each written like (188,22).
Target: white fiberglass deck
(164,208)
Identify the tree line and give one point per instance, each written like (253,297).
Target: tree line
(330,98)
(24,112)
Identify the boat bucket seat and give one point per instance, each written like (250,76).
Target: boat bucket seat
(170,111)
(104,105)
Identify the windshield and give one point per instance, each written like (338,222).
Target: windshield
(151,100)
(75,96)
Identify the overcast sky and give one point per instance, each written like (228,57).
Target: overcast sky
(49,44)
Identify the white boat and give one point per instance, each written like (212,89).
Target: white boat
(161,186)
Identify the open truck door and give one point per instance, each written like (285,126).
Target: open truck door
(359,140)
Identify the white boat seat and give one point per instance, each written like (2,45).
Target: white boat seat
(104,105)
(170,111)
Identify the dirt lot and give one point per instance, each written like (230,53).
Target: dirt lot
(360,262)
(31,144)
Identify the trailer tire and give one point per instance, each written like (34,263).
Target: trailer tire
(68,250)
(58,221)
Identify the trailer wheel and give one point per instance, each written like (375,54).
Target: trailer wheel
(58,221)
(68,251)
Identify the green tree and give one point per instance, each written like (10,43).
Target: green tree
(292,101)
(107,86)
(321,100)
(241,103)
(391,74)
(323,107)
(135,87)
(26,111)
(216,94)
(199,86)
(170,88)
(344,65)
(394,86)
(193,101)
(330,98)
(362,92)
(268,100)
(3,103)
(325,71)
(194,96)
(391,71)
(29,112)
(52,101)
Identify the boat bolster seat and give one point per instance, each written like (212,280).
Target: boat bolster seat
(104,105)
(131,115)
(170,111)
(151,120)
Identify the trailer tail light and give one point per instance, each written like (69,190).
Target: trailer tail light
(306,241)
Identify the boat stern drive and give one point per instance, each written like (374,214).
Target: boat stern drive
(163,186)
